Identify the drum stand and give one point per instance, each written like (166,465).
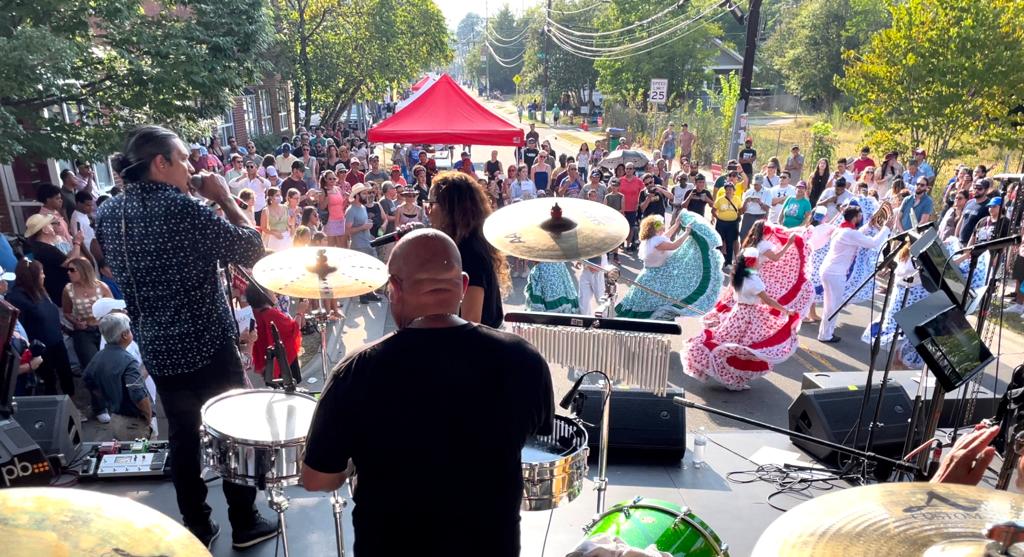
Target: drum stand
(279,503)
(320,321)
(338,505)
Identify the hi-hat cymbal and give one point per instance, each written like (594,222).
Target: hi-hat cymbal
(891,519)
(37,521)
(533,230)
(320,272)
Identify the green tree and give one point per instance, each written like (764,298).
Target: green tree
(945,76)
(807,48)
(569,74)
(498,55)
(107,65)
(684,61)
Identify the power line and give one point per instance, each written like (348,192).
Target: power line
(576,11)
(640,34)
(519,37)
(502,42)
(621,56)
(611,51)
(640,23)
(507,63)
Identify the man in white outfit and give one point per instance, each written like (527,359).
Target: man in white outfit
(592,284)
(846,240)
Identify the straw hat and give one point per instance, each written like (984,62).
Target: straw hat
(36,223)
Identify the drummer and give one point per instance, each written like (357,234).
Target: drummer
(406,421)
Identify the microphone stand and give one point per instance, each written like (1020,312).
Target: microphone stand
(900,465)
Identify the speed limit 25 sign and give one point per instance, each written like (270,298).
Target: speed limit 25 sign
(659,91)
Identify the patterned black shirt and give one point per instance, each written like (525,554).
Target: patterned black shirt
(163,248)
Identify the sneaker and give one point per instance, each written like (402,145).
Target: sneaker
(103,417)
(207,534)
(259,531)
(832,340)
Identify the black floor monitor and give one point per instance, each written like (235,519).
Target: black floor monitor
(937,271)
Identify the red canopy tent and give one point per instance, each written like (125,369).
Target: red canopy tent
(446,114)
(421,83)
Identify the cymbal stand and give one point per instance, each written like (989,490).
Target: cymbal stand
(279,503)
(320,319)
(338,506)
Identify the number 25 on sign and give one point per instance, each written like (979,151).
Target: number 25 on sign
(659,91)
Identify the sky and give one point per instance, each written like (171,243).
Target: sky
(455,10)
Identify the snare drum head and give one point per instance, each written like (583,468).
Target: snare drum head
(651,521)
(260,416)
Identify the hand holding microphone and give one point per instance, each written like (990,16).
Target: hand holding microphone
(396,235)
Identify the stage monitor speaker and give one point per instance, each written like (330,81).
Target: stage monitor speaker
(53,422)
(22,462)
(831,415)
(639,421)
(984,404)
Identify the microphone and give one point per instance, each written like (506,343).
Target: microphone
(396,235)
(567,399)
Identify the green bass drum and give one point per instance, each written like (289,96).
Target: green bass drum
(642,522)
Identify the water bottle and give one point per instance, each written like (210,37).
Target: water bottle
(700,442)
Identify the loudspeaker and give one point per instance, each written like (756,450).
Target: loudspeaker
(638,421)
(984,405)
(831,415)
(53,422)
(22,462)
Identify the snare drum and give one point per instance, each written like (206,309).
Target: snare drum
(642,522)
(554,466)
(256,437)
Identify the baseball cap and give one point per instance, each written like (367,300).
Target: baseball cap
(595,172)
(6,275)
(287,146)
(104,306)
(994,202)
(195,147)
(396,168)
(271,171)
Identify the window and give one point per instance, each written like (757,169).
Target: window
(251,125)
(282,110)
(226,128)
(266,114)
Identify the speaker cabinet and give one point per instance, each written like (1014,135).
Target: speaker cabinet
(639,421)
(831,415)
(53,422)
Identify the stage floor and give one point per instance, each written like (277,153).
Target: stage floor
(738,513)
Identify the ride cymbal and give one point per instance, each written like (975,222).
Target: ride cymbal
(320,272)
(891,519)
(38,521)
(556,229)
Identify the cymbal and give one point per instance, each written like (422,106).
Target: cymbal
(37,521)
(320,272)
(532,230)
(891,519)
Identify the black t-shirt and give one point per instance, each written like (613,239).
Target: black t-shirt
(402,440)
(973,213)
(55,275)
(291,183)
(750,155)
(657,206)
(529,156)
(491,168)
(699,201)
(479,265)
(376,216)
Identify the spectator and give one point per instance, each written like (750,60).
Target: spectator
(686,139)
(77,300)
(354,176)
(795,163)
(331,160)
(596,185)
(249,199)
(819,181)
(274,222)
(396,177)
(748,155)
(540,172)
(912,173)
(654,199)
(41,318)
(333,201)
(835,199)
(264,307)
(310,168)
(863,161)
(408,210)
(796,210)
(726,213)
(296,178)
(530,153)
(85,179)
(842,172)
(697,198)
(255,183)
(756,203)
(236,170)
(53,205)
(974,211)
(572,184)
(67,192)
(918,208)
(522,187)
(781,193)
(43,242)
(115,380)
(81,219)
(421,183)
(283,162)
(375,174)
(920,156)
(631,185)
(106,275)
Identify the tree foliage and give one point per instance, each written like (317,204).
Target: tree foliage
(806,50)
(107,65)
(359,50)
(683,62)
(946,76)
(569,75)
(506,60)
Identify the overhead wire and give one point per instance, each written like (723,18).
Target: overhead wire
(507,63)
(639,44)
(634,25)
(488,30)
(576,11)
(630,36)
(623,54)
(503,44)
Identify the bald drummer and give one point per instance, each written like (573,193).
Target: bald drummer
(436,413)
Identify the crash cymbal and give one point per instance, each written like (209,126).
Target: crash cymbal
(891,519)
(56,521)
(320,272)
(556,229)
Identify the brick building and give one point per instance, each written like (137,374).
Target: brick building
(260,109)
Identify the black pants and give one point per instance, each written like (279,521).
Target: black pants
(183,397)
(87,344)
(729,230)
(56,369)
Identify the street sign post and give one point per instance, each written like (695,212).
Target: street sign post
(658,93)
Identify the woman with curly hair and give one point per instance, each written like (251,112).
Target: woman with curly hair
(458,206)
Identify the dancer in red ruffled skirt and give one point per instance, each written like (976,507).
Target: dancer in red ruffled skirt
(755,323)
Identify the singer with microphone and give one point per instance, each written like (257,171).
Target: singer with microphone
(385,426)
(164,249)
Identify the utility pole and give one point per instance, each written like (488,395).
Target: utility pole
(544,99)
(753,21)
(487,60)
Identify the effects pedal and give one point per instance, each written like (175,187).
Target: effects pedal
(131,465)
